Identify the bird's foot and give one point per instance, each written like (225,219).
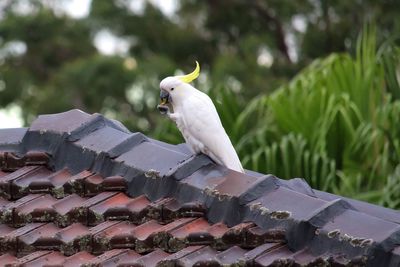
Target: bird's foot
(164,109)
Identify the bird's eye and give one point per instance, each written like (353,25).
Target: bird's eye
(172,89)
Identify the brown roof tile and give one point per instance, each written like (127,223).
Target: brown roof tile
(78,189)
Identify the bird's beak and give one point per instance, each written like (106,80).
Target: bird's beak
(164,101)
(164,97)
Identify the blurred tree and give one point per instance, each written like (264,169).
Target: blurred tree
(49,63)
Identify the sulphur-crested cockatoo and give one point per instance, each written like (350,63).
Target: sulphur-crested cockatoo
(196,117)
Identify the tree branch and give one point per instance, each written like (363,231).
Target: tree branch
(277,27)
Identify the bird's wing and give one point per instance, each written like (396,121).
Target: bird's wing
(204,125)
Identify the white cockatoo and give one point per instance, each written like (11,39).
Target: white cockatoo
(196,117)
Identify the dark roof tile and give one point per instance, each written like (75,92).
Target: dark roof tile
(6,185)
(10,161)
(52,259)
(175,258)
(231,255)
(116,236)
(78,259)
(280,256)
(149,260)
(44,237)
(110,257)
(358,238)
(60,123)
(29,258)
(257,235)
(152,160)
(395,257)
(100,141)
(204,256)
(249,256)
(81,189)
(283,203)
(11,138)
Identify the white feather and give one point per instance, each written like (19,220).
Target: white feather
(200,125)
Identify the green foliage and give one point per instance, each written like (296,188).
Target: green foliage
(335,123)
(391,192)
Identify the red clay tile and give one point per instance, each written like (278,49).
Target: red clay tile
(78,259)
(51,259)
(68,240)
(139,209)
(6,189)
(306,258)
(99,216)
(236,235)
(72,238)
(114,183)
(68,210)
(46,182)
(7,212)
(124,258)
(155,208)
(280,256)
(249,257)
(28,258)
(231,256)
(148,260)
(196,226)
(41,238)
(38,209)
(218,230)
(167,209)
(114,207)
(120,207)
(8,259)
(1,172)
(162,238)
(114,237)
(9,241)
(101,227)
(94,217)
(5,229)
(76,183)
(144,235)
(11,162)
(257,236)
(3,202)
(174,259)
(108,256)
(193,233)
(205,256)
(93,185)
(86,241)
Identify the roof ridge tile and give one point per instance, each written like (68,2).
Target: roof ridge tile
(80,141)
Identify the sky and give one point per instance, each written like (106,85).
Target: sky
(105,42)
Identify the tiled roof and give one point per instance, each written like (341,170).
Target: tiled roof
(81,189)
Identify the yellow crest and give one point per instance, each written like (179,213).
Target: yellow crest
(191,76)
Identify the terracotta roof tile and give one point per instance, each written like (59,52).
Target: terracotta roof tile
(79,189)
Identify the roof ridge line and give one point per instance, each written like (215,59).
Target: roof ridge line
(157,171)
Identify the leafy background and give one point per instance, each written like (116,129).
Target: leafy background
(304,88)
